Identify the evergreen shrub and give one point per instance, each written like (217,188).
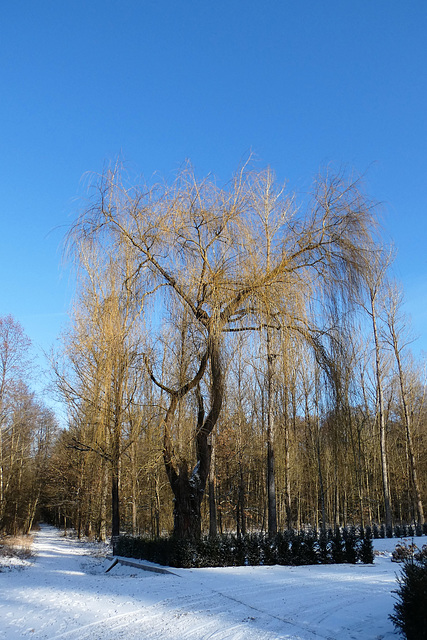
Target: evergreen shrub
(209,552)
(337,547)
(297,547)
(284,553)
(253,549)
(239,546)
(324,548)
(225,548)
(310,548)
(269,550)
(350,545)
(227,551)
(365,548)
(410,610)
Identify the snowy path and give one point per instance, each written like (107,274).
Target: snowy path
(67,595)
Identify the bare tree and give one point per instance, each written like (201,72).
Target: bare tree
(397,337)
(232,259)
(101,351)
(375,283)
(14,365)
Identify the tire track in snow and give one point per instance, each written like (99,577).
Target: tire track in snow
(194,617)
(288,621)
(189,617)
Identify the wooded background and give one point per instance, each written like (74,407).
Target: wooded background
(236,361)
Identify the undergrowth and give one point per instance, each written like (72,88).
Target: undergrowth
(16,547)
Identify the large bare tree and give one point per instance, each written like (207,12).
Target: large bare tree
(238,258)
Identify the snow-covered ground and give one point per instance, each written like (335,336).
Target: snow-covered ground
(64,593)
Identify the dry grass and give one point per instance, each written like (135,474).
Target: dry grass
(16,547)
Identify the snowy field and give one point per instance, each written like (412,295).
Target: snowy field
(64,593)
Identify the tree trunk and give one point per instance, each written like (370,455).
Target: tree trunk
(102,519)
(115,521)
(187,506)
(271,478)
(288,508)
(416,493)
(157,508)
(271,490)
(213,527)
(134,485)
(188,489)
(321,487)
(242,501)
(32,509)
(381,420)
(115,468)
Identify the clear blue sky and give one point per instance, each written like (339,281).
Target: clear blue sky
(302,84)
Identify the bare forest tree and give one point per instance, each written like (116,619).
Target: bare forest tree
(397,337)
(375,283)
(27,431)
(99,377)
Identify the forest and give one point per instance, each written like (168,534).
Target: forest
(237,360)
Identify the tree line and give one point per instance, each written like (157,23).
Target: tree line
(27,432)
(236,361)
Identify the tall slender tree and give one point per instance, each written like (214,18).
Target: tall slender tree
(397,337)
(376,280)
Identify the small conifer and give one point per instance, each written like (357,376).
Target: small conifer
(410,616)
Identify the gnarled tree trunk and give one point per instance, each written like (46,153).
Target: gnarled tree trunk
(189,487)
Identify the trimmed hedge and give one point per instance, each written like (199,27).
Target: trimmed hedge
(399,531)
(286,548)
